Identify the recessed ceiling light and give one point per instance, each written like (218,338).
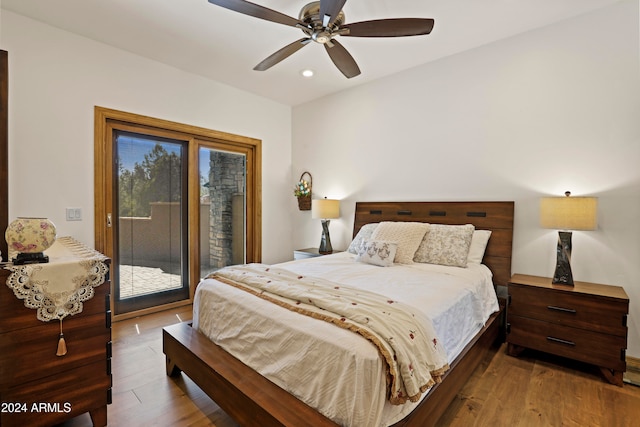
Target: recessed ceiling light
(307,73)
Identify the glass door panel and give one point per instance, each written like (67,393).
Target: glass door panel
(150,265)
(222,209)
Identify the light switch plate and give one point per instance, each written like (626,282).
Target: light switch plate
(74,214)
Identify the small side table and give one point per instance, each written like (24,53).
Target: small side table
(585,322)
(308,253)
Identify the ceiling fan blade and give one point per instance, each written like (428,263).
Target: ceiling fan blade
(342,59)
(283,53)
(329,10)
(257,11)
(398,27)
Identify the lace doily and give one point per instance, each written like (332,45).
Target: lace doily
(57,289)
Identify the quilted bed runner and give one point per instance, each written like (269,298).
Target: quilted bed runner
(415,360)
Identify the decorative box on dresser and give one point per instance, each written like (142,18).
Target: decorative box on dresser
(39,388)
(585,322)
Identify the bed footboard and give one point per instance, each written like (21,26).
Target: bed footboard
(483,345)
(251,399)
(248,397)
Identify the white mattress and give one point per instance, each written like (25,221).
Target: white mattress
(332,369)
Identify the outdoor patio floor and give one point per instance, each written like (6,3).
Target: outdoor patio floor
(137,280)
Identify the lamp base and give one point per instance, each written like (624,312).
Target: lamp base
(325,241)
(30,258)
(563,273)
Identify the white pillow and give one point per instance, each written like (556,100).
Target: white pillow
(363,234)
(479,242)
(407,235)
(445,245)
(377,252)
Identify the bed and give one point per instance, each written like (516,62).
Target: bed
(252,399)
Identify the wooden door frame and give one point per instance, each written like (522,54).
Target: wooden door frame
(106,119)
(4,150)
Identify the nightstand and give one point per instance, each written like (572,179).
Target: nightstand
(585,322)
(305,253)
(308,253)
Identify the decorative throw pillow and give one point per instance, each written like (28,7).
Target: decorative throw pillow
(479,242)
(363,234)
(377,252)
(445,245)
(407,235)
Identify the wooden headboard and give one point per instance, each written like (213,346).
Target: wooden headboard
(494,216)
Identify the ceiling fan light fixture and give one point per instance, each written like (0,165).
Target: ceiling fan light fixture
(321,37)
(321,21)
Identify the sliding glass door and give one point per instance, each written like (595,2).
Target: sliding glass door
(173,203)
(151,223)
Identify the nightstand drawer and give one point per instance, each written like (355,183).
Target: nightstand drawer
(591,347)
(569,308)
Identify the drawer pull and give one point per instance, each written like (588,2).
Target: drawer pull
(559,341)
(562,309)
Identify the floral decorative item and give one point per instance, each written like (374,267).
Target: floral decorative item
(30,237)
(302,191)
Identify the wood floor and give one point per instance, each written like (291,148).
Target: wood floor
(532,390)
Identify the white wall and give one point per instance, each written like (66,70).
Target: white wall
(55,80)
(547,111)
(552,110)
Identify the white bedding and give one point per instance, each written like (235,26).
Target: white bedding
(332,369)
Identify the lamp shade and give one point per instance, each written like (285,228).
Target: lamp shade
(325,208)
(569,213)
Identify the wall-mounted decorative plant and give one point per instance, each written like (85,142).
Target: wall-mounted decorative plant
(302,191)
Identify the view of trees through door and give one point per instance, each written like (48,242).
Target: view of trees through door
(173,203)
(151,222)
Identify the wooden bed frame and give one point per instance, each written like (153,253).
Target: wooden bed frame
(252,400)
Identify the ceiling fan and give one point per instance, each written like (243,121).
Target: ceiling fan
(321,21)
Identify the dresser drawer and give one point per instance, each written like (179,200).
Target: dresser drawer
(16,316)
(599,349)
(582,311)
(30,353)
(62,395)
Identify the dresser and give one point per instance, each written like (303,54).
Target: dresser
(39,388)
(585,322)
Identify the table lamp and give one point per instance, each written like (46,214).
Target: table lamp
(325,209)
(567,213)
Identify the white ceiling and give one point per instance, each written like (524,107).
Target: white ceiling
(210,41)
